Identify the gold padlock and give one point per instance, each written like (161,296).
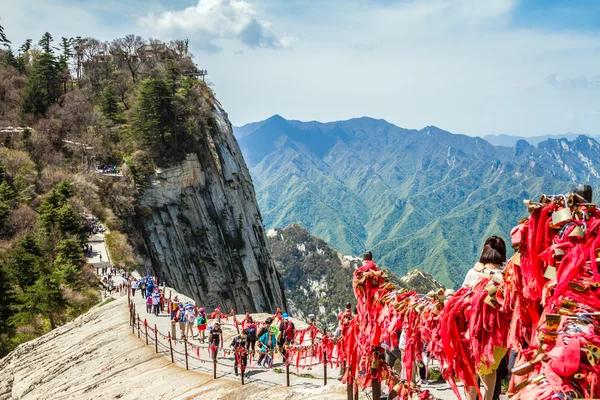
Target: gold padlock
(577,232)
(491,288)
(561,217)
(552,322)
(559,252)
(550,272)
(516,259)
(490,301)
(579,375)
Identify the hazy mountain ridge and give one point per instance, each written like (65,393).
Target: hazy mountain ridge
(510,141)
(418,198)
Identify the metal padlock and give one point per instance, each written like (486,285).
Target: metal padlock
(577,232)
(550,272)
(561,217)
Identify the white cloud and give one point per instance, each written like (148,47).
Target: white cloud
(211,22)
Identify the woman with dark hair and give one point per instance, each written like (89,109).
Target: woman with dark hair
(492,258)
(490,263)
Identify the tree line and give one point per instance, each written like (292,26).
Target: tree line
(130,102)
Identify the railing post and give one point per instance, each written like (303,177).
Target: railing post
(185,343)
(349,390)
(155,338)
(241,360)
(171,347)
(138,321)
(215,366)
(146,326)
(324,368)
(287,375)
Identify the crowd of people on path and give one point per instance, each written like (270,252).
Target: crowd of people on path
(253,338)
(95,226)
(108,169)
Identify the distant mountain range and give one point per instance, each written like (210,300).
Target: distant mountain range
(418,198)
(510,141)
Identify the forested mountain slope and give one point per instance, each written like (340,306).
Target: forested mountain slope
(418,198)
(318,279)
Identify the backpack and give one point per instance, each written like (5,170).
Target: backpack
(201,320)
(288,329)
(252,331)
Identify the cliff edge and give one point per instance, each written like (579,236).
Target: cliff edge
(202,229)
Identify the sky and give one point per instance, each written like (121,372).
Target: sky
(478,67)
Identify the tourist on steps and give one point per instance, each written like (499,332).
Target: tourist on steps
(251,327)
(215,339)
(492,258)
(239,348)
(180,317)
(201,324)
(267,346)
(190,319)
(149,304)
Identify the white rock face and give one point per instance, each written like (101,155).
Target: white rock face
(203,233)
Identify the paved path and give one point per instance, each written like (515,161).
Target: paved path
(308,377)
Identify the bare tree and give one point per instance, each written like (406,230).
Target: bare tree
(180,48)
(127,51)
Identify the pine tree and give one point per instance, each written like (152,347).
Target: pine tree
(109,103)
(3,39)
(43,85)
(154,117)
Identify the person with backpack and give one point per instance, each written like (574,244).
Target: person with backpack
(149,304)
(190,318)
(215,339)
(250,327)
(201,324)
(143,288)
(287,331)
(239,348)
(267,343)
(155,302)
(180,317)
(149,287)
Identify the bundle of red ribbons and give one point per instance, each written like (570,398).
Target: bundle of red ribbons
(545,305)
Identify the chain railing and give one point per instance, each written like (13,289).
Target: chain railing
(319,352)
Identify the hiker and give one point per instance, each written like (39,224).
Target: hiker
(287,330)
(251,328)
(149,304)
(155,302)
(133,288)
(143,288)
(180,317)
(174,309)
(201,324)
(149,287)
(245,320)
(190,318)
(490,263)
(267,344)
(239,347)
(216,339)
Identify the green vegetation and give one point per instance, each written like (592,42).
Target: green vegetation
(318,281)
(105,302)
(119,249)
(81,102)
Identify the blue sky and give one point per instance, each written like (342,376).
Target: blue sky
(469,66)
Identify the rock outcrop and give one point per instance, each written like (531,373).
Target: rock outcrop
(203,233)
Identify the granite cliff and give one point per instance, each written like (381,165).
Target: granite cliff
(202,230)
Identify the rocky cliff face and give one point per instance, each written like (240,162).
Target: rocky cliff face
(203,232)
